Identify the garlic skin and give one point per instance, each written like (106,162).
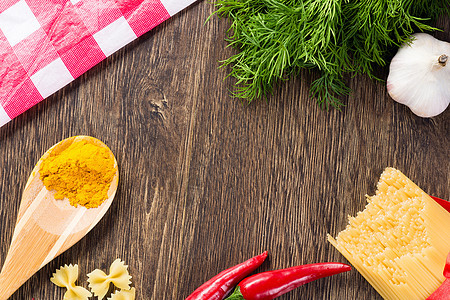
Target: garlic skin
(419,75)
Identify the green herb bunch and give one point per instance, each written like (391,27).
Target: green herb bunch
(277,38)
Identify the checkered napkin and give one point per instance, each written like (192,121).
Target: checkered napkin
(45,44)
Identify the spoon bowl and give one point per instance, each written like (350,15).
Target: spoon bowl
(46,227)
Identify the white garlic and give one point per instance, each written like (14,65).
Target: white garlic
(419,75)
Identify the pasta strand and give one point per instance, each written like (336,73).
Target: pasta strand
(397,242)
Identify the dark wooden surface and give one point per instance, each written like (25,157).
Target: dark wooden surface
(207,182)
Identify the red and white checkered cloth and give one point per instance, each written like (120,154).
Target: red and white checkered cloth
(45,44)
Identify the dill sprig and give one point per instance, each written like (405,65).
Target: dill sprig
(277,38)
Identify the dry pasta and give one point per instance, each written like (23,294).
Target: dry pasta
(400,241)
(124,295)
(66,277)
(99,282)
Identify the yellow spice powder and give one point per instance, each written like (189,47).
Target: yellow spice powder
(82,173)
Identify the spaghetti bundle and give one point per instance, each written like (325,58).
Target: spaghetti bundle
(400,241)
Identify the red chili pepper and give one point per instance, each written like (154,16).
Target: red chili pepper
(220,285)
(443,203)
(447,267)
(269,285)
(443,292)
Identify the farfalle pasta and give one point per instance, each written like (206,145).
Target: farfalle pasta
(124,295)
(66,277)
(99,282)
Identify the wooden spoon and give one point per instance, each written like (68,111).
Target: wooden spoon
(47,227)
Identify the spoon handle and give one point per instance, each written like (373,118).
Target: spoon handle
(25,257)
(32,245)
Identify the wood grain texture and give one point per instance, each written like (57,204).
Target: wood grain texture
(206,182)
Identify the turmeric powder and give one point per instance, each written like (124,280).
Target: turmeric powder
(82,173)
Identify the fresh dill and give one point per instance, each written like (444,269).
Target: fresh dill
(277,38)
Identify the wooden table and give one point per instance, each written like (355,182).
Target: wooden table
(207,182)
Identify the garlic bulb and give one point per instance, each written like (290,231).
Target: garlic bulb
(419,75)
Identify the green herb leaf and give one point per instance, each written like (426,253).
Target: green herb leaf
(277,38)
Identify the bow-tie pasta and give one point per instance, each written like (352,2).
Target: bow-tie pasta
(99,282)
(66,277)
(124,295)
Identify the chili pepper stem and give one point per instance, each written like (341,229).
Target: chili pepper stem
(220,285)
(270,285)
(236,295)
